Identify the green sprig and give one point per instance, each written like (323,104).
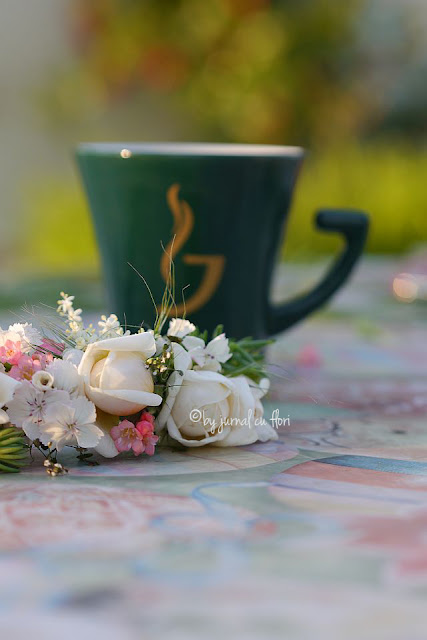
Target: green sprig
(247,359)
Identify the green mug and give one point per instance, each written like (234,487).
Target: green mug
(219,211)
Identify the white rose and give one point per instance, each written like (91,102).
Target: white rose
(205,407)
(116,378)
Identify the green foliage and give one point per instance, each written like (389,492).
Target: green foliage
(241,70)
(58,237)
(13,449)
(386,180)
(247,359)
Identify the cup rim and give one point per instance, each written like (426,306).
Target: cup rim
(128,149)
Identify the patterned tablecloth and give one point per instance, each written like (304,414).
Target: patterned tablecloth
(322,534)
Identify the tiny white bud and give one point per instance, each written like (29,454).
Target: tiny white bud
(42,380)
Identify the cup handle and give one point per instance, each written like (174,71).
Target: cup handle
(353,225)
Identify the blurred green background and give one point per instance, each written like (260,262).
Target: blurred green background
(344,79)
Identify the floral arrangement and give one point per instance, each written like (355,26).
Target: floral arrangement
(109,391)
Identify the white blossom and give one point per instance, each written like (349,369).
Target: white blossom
(110,326)
(71,423)
(66,377)
(72,355)
(28,406)
(29,336)
(208,357)
(65,304)
(74,315)
(179,328)
(196,348)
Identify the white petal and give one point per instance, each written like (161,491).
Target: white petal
(176,435)
(259,390)
(143,343)
(31,429)
(66,376)
(28,335)
(192,342)
(55,434)
(73,355)
(7,388)
(173,386)
(131,401)
(84,410)
(211,364)
(4,418)
(160,343)
(181,358)
(59,413)
(179,327)
(218,347)
(106,446)
(88,435)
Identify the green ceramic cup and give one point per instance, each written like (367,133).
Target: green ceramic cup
(220,211)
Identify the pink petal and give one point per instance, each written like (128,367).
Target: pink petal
(138,447)
(115,432)
(122,445)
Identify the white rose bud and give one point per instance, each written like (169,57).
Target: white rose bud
(116,377)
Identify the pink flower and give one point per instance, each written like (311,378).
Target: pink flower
(42,359)
(10,352)
(26,366)
(309,356)
(51,347)
(145,427)
(139,438)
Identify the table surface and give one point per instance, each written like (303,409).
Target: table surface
(322,534)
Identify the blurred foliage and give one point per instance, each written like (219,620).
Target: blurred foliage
(386,179)
(337,77)
(242,70)
(65,241)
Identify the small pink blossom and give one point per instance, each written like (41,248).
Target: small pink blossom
(309,356)
(140,437)
(145,426)
(25,368)
(51,347)
(10,352)
(42,359)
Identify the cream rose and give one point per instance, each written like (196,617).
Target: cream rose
(116,378)
(205,407)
